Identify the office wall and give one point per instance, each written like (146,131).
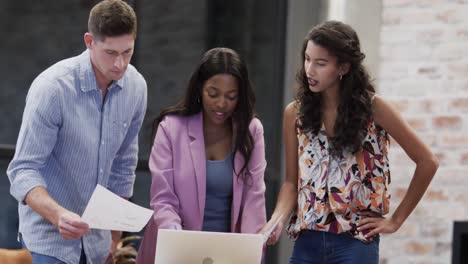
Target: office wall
(423,71)
(172,37)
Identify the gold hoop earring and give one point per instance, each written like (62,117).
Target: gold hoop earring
(341,77)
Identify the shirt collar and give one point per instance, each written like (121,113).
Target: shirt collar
(88,78)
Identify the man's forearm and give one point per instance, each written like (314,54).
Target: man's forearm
(40,201)
(116,235)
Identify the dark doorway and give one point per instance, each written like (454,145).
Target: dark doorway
(460,243)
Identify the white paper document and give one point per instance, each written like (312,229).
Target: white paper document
(267,234)
(106,210)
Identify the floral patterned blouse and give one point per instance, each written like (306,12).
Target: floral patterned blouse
(332,191)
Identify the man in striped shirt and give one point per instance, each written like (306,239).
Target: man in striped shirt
(79,129)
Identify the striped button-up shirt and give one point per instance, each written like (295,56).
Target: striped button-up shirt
(70,140)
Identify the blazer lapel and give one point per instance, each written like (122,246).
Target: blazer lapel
(197,150)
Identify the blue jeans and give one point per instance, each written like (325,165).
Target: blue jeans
(44,259)
(316,247)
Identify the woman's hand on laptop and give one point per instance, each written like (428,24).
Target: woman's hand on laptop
(171,227)
(272,229)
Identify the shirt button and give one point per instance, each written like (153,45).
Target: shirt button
(125,124)
(101,170)
(102,142)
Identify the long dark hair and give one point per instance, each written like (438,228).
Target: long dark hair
(355,106)
(220,61)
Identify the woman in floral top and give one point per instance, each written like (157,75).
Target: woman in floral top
(337,171)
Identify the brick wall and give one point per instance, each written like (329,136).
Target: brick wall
(37,35)
(171,42)
(424,72)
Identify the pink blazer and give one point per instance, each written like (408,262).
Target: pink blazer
(178,167)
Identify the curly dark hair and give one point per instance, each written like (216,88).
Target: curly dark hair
(220,61)
(355,106)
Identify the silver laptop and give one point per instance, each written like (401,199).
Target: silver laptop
(196,247)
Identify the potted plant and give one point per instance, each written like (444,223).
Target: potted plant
(126,252)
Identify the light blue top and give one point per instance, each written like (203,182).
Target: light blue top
(70,141)
(217,217)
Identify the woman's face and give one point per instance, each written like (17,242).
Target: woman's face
(321,68)
(219,98)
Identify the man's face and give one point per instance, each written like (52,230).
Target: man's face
(110,56)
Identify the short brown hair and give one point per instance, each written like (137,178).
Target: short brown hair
(111,18)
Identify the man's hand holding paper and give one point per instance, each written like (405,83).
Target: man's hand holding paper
(106,210)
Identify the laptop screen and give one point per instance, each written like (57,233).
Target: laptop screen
(197,247)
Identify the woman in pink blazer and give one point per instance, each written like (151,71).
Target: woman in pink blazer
(208,156)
